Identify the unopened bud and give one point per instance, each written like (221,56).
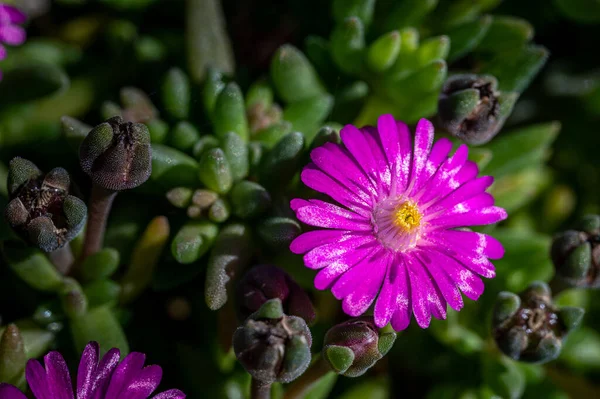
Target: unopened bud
(576,253)
(472,109)
(41,209)
(117,154)
(266,282)
(272,346)
(353,347)
(529,327)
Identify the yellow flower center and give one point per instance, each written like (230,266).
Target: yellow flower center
(407,216)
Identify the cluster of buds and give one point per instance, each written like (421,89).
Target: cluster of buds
(41,209)
(576,253)
(272,346)
(472,109)
(529,327)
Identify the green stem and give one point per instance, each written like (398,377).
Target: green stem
(99,208)
(260,389)
(298,389)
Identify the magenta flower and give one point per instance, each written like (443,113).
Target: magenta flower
(395,233)
(10,32)
(106,379)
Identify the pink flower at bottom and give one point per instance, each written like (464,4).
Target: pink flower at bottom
(392,233)
(10,32)
(104,378)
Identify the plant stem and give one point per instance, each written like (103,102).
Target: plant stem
(298,389)
(99,207)
(260,389)
(62,259)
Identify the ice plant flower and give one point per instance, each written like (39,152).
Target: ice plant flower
(104,379)
(394,236)
(10,32)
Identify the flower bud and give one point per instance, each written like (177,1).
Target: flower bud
(353,347)
(266,282)
(41,210)
(472,109)
(272,346)
(576,254)
(117,154)
(529,327)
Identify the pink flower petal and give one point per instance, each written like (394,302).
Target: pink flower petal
(143,384)
(356,142)
(423,142)
(443,281)
(469,242)
(10,392)
(312,239)
(338,163)
(435,298)
(12,34)
(104,372)
(419,291)
(323,214)
(362,278)
(443,177)
(323,255)
(37,380)
(403,312)
(318,180)
(439,153)
(58,377)
(127,370)
(463,193)
(466,280)
(388,297)
(395,140)
(87,370)
(10,14)
(474,212)
(328,275)
(170,394)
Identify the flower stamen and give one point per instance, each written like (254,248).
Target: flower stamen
(407,216)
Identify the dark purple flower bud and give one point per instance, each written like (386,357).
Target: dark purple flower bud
(266,282)
(576,253)
(41,210)
(353,347)
(529,327)
(472,109)
(272,346)
(117,154)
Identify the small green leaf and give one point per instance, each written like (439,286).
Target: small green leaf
(294,77)
(348,45)
(506,33)
(515,150)
(100,325)
(466,37)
